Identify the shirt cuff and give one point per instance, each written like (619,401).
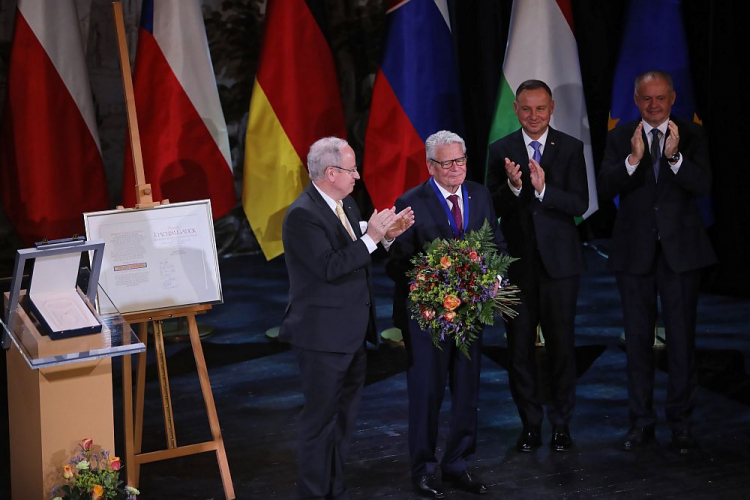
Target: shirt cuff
(676,167)
(371,245)
(515,191)
(540,196)
(631,168)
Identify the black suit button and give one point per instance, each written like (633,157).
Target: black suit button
(368,304)
(356,270)
(656,207)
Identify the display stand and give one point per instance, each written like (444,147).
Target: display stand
(134,458)
(59,392)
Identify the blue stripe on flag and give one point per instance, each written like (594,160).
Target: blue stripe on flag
(147,16)
(420,64)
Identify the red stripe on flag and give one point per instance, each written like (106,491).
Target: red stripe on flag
(567,10)
(181,160)
(51,170)
(398,163)
(298,75)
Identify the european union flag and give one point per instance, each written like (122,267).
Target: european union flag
(654,39)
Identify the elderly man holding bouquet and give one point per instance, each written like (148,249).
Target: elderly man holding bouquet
(446,206)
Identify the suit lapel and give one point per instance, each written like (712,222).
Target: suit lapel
(551,150)
(329,217)
(352,213)
(436,210)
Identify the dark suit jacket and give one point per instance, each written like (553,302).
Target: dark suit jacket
(330,293)
(548,225)
(431,222)
(667,208)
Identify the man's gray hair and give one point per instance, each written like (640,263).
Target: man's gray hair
(324,153)
(654,74)
(442,138)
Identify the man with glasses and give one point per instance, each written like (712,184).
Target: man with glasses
(330,313)
(537,176)
(446,206)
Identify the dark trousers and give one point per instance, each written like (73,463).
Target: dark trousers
(332,385)
(551,303)
(679,301)
(428,371)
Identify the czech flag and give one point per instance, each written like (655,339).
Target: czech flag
(184,137)
(51,168)
(416,94)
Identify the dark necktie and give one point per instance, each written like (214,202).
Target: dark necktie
(456,211)
(537,156)
(655,150)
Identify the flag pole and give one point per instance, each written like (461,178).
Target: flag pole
(143,192)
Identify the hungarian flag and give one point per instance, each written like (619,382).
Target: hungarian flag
(51,168)
(552,56)
(183,133)
(295,102)
(416,94)
(642,50)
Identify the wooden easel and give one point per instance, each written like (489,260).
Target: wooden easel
(134,423)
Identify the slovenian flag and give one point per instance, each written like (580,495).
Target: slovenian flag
(551,56)
(51,168)
(644,50)
(295,102)
(184,137)
(416,94)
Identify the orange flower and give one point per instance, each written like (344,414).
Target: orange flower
(428,314)
(450,316)
(87,444)
(421,277)
(114,463)
(474,257)
(413,287)
(445,261)
(67,471)
(451,302)
(96,492)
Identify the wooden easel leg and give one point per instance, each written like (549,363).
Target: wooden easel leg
(127,405)
(133,467)
(166,397)
(213,418)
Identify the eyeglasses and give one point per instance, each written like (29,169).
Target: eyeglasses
(460,162)
(350,171)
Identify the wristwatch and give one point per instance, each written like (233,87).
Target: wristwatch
(674,158)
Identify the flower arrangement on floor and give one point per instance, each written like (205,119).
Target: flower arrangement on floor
(93,476)
(458,285)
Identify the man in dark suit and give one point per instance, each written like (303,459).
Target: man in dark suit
(537,176)
(330,312)
(659,167)
(444,207)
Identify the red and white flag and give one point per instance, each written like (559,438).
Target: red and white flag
(183,134)
(51,168)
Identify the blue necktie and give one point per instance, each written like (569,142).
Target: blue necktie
(537,156)
(655,150)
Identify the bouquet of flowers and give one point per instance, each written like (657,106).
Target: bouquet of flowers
(93,476)
(456,286)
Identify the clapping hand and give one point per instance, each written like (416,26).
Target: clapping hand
(513,171)
(401,222)
(537,176)
(379,223)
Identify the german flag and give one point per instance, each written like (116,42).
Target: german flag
(295,102)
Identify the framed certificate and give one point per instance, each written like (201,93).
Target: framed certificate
(156,258)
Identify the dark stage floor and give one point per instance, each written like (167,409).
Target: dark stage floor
(257,392)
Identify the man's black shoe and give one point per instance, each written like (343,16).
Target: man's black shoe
(561,440)
(426,487)
(683,442)
(530,438)
(639,437)
(465,481)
